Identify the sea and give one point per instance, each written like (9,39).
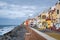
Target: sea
(6,28)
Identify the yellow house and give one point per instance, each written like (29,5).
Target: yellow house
(54,13)
(42,23)
(57,7)
(49,23)
(46,21)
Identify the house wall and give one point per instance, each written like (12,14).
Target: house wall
(58,15)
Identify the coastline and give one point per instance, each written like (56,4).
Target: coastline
(17,33)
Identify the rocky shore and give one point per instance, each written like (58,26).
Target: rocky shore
(16,34)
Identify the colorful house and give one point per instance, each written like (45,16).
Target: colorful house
(26,23)
(49,23)
(48,19)
(51,18)
(54,14)
(42,20)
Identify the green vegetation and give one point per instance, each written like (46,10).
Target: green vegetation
(54,35)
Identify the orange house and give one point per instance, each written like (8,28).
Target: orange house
(26,23)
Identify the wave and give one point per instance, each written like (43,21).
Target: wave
(6,29)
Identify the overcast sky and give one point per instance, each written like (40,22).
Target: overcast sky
(16,11)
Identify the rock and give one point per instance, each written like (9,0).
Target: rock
(16,34)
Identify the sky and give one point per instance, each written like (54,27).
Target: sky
(14,12)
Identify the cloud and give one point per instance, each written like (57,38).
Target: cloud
(2,4)
(14,11)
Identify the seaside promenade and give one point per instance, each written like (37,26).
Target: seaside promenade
(34,34)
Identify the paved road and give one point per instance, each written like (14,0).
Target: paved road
(16,34)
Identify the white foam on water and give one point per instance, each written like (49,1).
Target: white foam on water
(6,29)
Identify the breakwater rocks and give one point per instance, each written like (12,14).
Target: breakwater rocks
(16,34)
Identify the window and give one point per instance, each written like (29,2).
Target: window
(44,17)
(59,2)
(57,11)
